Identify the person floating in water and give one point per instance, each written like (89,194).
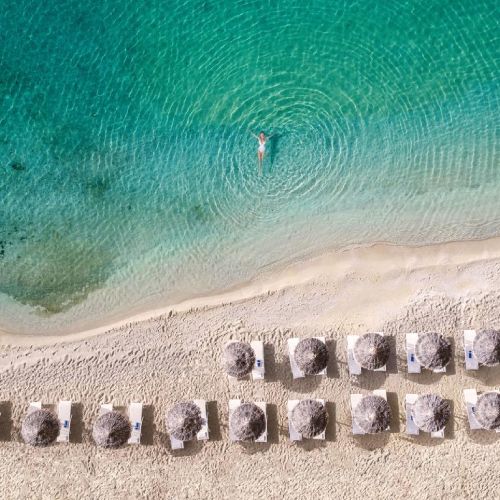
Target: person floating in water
(261,151)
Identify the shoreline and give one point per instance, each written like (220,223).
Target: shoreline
(381,258)
(171,358)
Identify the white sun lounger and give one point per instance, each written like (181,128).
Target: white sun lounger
(411,358)
(355,400)
(296,371)
(471,362)
(411,427)
(176,444)
(354,366)
(294,435)
(236,403)
(259,370)
(135,417)
(105,408)
(64,416)
(202,434)
(470,397)
(34,406)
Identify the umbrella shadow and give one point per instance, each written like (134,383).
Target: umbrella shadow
(332,370)
(305,385)
(148,425)
(426,377)
(190,449)
(369,379)
(310,444)
(5,420)
(372,441)
(331,426)
(77,427)
(451,366)
(423,439)
(392,362)
(487,375)
(272,423)
(214,432)
(269,363)
(483,436)
(392,400)
(449,431)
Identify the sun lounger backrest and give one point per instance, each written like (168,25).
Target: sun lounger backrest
(64,416)
(135,417)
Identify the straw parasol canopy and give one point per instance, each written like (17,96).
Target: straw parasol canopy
(311,356)
(486,347)
(432,351)
(184,421)
(247,422)
(40,428)
(238,359)
(371,351)
(111,430)
(372,414)
(309,418)
(431,413)
(488,410)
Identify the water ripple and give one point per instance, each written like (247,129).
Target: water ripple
(128,159)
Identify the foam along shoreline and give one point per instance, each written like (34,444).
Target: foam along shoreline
(387,264)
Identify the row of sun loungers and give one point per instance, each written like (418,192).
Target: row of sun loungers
(370,351)
(371,413)
(307,419)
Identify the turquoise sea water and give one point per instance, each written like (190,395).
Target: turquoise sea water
(128,174)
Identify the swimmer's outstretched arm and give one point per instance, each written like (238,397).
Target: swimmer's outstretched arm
(256,136)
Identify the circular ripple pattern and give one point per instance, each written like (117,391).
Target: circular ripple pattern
(131,128)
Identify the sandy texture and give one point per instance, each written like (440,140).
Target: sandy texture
(176,357)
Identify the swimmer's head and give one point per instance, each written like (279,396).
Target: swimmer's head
(262,135)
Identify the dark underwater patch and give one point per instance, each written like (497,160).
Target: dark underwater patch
(18,166)
(54,275)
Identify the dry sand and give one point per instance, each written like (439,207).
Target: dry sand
(175,356)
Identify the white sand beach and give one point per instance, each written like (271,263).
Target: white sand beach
(170,355)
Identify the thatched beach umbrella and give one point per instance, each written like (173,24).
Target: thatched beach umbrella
(238,359)
(311,356)
(309,418)
(111,430)
(431,413)
(432,351)
(184,421)
(372,414)
(247,422)
(40,428)
(371,351)
(488,410)
(486,347)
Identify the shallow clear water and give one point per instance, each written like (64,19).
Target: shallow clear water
(128,173)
